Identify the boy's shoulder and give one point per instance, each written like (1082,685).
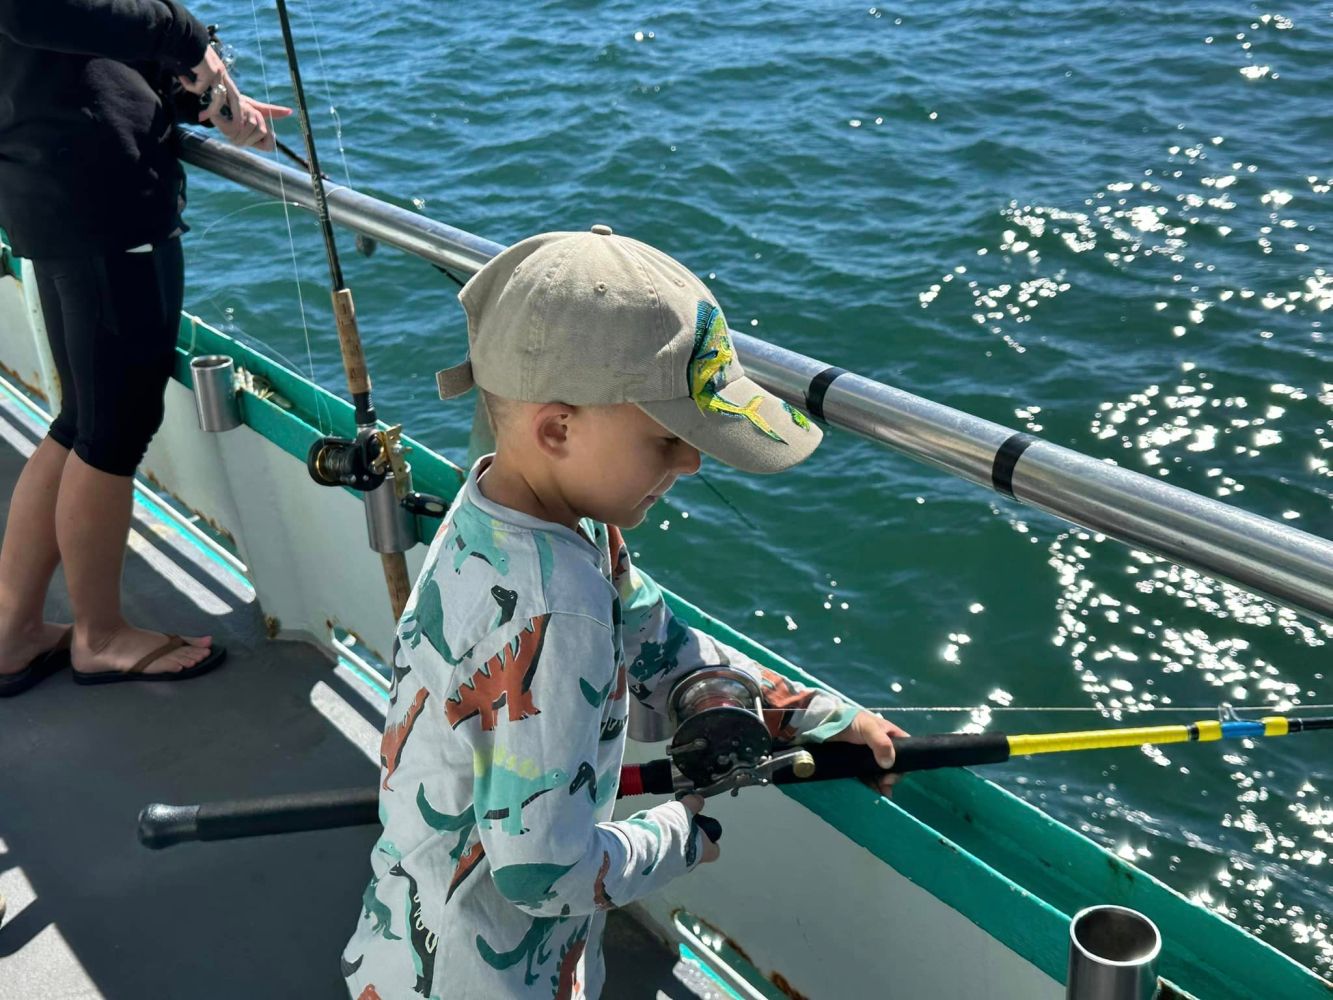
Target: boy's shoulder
(485,579)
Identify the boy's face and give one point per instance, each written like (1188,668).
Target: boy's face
(620,461)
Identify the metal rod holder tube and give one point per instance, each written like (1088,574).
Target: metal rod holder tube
(645,725)
(215,398)
(1112,955)
(390,525)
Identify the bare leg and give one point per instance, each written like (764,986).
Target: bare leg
(28,559)
(92,523)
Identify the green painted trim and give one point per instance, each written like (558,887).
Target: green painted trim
(687,954)
(312,408)
(1020,875)
(143,494)
(365,678)
(9,263)
(148,501)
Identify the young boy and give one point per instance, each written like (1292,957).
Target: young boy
(607,368)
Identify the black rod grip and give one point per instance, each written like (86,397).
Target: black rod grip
(913,753)
(651,778)
(163,825)
(1308,725)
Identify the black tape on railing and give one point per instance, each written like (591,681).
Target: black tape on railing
(163,825)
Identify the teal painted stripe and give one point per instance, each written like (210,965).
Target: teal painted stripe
(365,678)
(33,410)
(147,500)
(142,496)
(315,412)
(9,264)
(688,955)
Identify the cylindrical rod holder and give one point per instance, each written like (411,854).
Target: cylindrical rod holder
(391,526)
(645,725)
(215,397)
(1112,955)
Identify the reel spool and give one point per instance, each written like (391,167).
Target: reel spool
(719,725)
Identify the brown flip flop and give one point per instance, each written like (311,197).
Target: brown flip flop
(40,667)
(136,672)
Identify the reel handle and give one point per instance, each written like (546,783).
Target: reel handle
(425,504)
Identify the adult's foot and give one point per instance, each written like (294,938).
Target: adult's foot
(19,647)
(126,646)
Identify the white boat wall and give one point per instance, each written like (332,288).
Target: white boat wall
(954,888)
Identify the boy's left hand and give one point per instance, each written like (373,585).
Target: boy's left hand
(877,733)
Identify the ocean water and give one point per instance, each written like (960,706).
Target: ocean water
(1108,225)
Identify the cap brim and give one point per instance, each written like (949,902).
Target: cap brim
(769,437)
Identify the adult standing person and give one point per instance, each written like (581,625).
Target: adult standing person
(91,191)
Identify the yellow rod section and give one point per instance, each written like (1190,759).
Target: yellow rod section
(1098,739)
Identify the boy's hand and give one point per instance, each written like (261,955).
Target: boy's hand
(694,804)
(877,733)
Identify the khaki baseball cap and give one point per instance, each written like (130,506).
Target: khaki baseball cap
(594,319)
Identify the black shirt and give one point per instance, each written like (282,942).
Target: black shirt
(88,158)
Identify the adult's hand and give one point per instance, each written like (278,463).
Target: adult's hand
(250,126)
(210,79)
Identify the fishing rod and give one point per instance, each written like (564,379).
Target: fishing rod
(722,743)
(373,462)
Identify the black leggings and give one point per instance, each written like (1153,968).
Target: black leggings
(112,321)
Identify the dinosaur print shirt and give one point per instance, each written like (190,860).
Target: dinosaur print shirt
(516,656)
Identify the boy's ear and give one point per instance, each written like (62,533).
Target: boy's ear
(550,425)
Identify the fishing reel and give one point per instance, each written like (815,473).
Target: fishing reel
(721,742)
(360,463)
(363,463)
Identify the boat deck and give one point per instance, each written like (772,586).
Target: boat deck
(91,913)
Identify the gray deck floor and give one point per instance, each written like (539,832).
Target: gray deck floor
(92,913)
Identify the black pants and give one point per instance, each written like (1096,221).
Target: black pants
(112,321)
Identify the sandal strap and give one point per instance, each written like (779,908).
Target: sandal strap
(173,642)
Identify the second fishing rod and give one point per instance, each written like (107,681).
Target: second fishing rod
(722,742)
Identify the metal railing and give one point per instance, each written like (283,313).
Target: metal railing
(1284,564)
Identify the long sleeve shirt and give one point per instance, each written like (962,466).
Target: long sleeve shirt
(88,158)
(516,656)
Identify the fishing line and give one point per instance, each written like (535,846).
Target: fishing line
(320,412)
(333,109)
(217,222)
(718,493)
